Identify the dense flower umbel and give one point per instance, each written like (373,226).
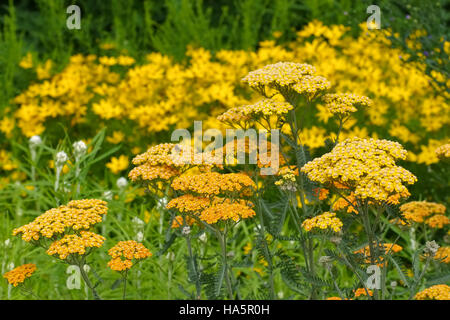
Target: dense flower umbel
(279,74)
(227,210)
(189,203)
(124,252)
(362,292)
(75,244)
(213,183)
(311,85)
(77,215)
(436,292)
(365,166)
(443,152)
(438,221)
(211,210)
(344,103)
(147,172)
(19,274)
(323,221)
(443,254)
(263,108)
(417,211)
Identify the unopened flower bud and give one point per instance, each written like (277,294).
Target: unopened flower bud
(79,149)
(121,183)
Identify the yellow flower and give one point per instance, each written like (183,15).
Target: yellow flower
(436,292)
(27,61)
(323,221)
(20,274)
(119,164)
(124,252)
(117,137)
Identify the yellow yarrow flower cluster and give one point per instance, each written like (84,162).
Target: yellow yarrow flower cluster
(443,152)
(77,215)
(279,74)
(227,210)
(311,86)
(436,292)
(323,221)
(214,183)
(344,103)
(362,292)
(75,244)
(189,203)
(124,252)
(438,221)
(417,211)
(202,191)
(288,181)
(365,166)
(263,108)
(443,255)
(20,274)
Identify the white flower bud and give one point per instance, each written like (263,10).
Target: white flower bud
(138,222)
(280,295)
(170,256)
(61,158)
(203,238)
(121,183)
(7,243)
(79,149)
(140,236)
(186,230)
(393,284)
(35,141)
(108,195)
(431,247)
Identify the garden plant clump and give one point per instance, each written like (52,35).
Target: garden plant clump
(333,187)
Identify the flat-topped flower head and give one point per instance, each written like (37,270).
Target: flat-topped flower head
(443,152)
(279,74)
(344,103)
(326,220)
(443,255)
(224,209)
(75,244)
(20,274)
(124,253)
(438,221)
(436,292)
(147,172)
(214,184)
(365,166)
(311,86)
(261,109)
(417,211)
(189,203)
(76,215)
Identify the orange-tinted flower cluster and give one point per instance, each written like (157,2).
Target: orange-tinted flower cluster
(124,252)
(75,244)
(20,274)
(436,292)
(214,184)
(76,215)
(417,211)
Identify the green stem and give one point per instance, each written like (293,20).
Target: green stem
(125,285)
(87,281)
